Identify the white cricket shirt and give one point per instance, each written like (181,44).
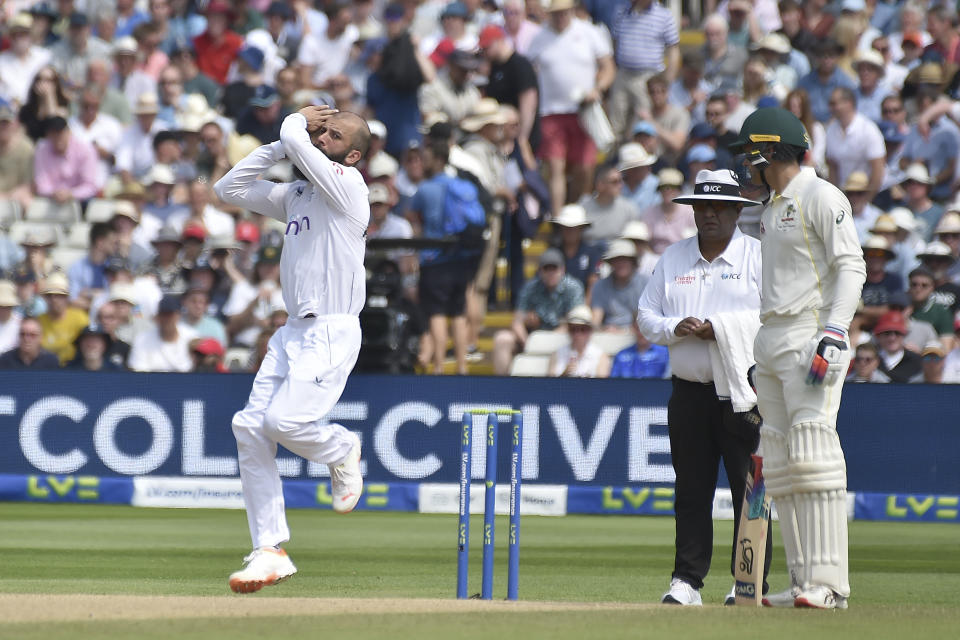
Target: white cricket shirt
(321,267)
(685,285)
(809,237)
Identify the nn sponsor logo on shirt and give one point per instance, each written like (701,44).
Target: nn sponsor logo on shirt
(294,227)
(684,279)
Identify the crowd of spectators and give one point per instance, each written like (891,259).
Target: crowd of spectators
(116,118)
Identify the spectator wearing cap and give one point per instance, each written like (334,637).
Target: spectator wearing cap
(880,284)
(101,130)
(775,50)
(247,235)
(237,94)
(65,168)
(699,157)
(207,355)
(854,143)
(29,353)
(127,78)
(166,267)
(926,307)
(647,43)
(614,298)
(61,323)
(512,80)
(324,54)
(672,122)
(16,162)
(263,116)
(639,183)
(579,358)
(217,47)
(86,274)
(160,207)
(544,303)
(937,258)
(825,77)
(934,366)
(581,258)
(866,365)
(607,210)
(209,275)
(916,185)
(865,214)
(638,233)
(194,236)
(71,55)
(22,61)
(936,145)
(898,363)
(452,92)
(93,345)
(36,246)
(195,303)
(135,156)
(919,332)
(10,315)
(164,346)
(948,232)
(250,303)
(575,67)
(708,320)
(454,31)
(28,292)
(723,60)
(872,86)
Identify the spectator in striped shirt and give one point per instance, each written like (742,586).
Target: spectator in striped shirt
(645,34)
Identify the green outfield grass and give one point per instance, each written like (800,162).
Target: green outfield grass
(906,578)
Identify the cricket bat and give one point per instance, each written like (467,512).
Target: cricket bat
(752,538)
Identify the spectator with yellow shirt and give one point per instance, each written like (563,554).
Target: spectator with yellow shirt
(61,323)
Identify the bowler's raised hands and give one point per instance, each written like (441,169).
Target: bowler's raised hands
(317,116)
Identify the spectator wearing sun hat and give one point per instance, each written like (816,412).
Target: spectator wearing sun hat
(865,214)
(579,358)
(916,185)
(61,323)
(135,156)
(880,284)
(581,258)
(937,258)
(934,365)
(669,221)
(614,298)
(872,87)
(639,183)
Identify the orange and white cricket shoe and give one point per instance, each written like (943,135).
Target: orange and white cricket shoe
(346,481)
(265,566)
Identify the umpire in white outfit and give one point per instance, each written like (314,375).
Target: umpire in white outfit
(309,359)
(703,302)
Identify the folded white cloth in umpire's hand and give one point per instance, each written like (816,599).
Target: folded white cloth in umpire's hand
(732,354)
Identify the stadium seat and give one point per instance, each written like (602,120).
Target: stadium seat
(20,229)
(525,364)
(612,343)
(544,342)
(237,358)
(78,236)
(10,212)
(44,209)
(99,210)
(65,256)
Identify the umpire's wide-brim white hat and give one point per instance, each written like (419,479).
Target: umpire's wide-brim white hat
(720,185)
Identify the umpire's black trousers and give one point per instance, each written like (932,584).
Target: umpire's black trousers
(704,429)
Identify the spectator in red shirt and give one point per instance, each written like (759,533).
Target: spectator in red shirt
(217,47)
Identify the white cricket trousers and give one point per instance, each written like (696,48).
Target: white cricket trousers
(302,376)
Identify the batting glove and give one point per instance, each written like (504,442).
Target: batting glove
(828,363)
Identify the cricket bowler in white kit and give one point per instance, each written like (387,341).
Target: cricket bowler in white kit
(813,273)
(309,359)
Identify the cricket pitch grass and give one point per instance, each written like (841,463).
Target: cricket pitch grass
(84,571)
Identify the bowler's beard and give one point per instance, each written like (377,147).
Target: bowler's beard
(339,158)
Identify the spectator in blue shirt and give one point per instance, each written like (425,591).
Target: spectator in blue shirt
(86,274)
(825,77)
(641,360)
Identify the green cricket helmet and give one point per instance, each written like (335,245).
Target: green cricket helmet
(771,124)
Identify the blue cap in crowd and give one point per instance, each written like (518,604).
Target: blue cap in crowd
(701,153)
(702,130)
(78,19)
(252,56)
(264,96)
(644,127)
(394,12)
(767,101)
(169,304)
(455,9)
(281,9)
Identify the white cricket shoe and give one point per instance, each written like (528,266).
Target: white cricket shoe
(820,597)
(346,482)
(731,598)
(265,566)
(783,598)
(683,593)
